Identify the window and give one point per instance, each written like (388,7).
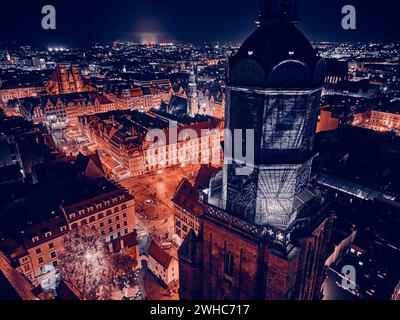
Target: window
(100,216)
(101,224)
(125,223)
(118,226)
(55,264)
(109,212)
(110,221)
(53,254)
(38,251)
(84,222)
(75,226)
(63,228)
(228,264)
(110,229)
(123,207)
(35,239)
(51,245)
(117,218)
(40,260)
(92,219)
(124,215)
(47,234)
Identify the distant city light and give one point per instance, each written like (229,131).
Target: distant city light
(57,49)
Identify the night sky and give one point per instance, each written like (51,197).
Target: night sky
(82,23)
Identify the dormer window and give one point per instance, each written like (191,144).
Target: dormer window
(35,239)
(47,234)
(63,228)
(81,212)
(72,216)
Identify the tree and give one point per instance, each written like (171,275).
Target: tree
(122,269)
(86,263)
(89,267)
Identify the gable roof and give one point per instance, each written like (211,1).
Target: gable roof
(158,254)
(186,198)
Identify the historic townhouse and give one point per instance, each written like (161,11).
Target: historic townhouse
(78,197)
(63,109)
(124,137)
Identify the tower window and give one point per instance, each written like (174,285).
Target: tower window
(228,264)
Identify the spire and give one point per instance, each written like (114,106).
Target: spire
(277,10)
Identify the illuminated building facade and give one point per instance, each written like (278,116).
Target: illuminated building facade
(264,235)
(187,206)
(386,118)
(122,136)
(66,79)
(164,266)
(17,92)
(102,206)
(141,95)
(63,109)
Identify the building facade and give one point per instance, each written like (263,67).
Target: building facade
(385,120)
(163,266)
(266,229)
(63,109)
(124,137)
(98,204)
(66,79)
(7,94)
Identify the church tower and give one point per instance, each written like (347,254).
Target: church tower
(193,98)
(265,235)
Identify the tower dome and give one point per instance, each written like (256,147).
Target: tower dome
(277,54)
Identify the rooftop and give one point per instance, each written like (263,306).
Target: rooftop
(161,256)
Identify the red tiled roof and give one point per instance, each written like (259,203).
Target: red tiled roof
(161,256)
(136,92)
